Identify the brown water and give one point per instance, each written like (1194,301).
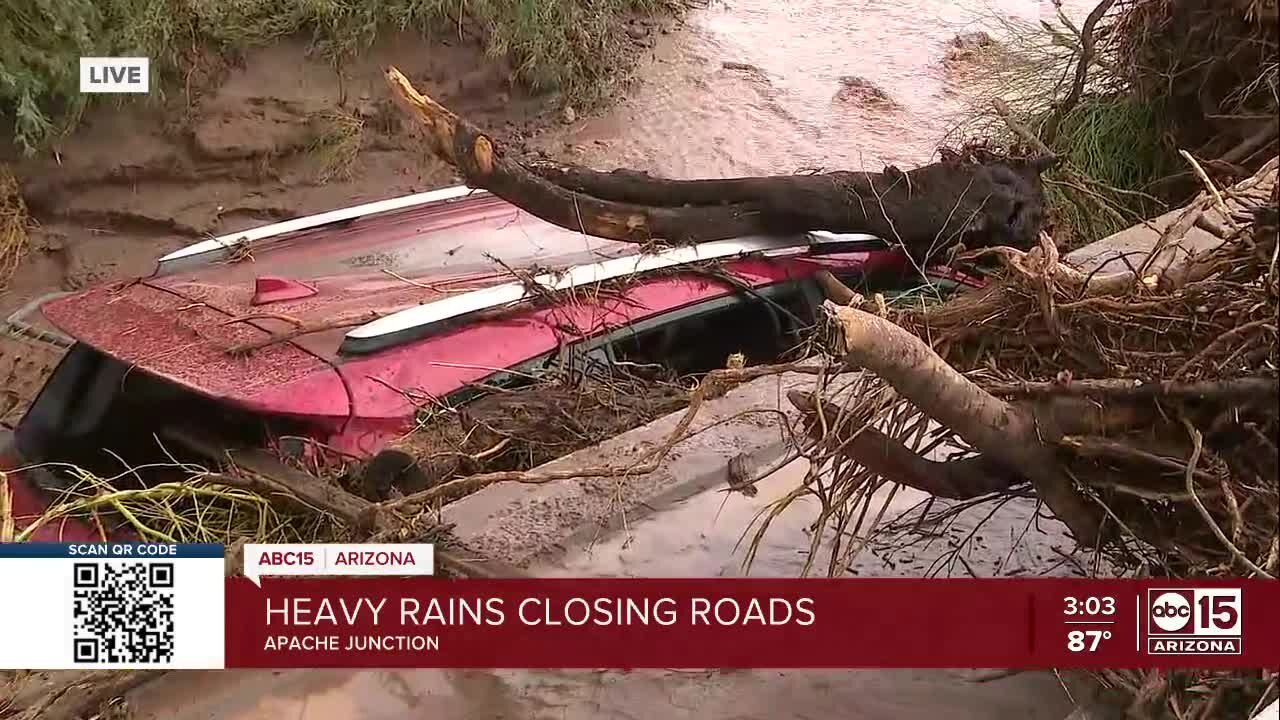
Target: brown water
(778,105)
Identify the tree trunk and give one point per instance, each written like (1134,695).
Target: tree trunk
(977,202)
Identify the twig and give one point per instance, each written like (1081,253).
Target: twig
(1197,444)
(301,330)
(1101,447)
(1213,189)
(1022,131)
(1087,49)
(1220,340)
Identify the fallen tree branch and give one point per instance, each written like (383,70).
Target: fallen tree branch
(1006,434)
(927,209)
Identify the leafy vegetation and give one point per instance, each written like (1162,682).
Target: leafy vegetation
(1197,75)
(565,44)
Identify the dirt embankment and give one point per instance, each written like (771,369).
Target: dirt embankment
(279,135)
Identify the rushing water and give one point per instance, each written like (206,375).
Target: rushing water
(755,87)
(779,105)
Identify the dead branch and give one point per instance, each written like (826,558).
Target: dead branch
(1087,50)
(1229,390)
(974,203)
(1022,131)
(1002,432)
(1096,447)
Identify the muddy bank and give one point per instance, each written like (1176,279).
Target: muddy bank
(279,135)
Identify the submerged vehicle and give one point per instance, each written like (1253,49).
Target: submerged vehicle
(333,330)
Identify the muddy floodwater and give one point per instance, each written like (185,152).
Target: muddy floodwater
(761,86)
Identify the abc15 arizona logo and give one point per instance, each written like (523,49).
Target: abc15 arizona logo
(1194,621)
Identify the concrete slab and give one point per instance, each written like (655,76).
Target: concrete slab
(1134,243)
(517,523)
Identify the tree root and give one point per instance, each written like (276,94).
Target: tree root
(956,480)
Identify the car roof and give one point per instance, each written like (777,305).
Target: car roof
(375,264)
(195,318)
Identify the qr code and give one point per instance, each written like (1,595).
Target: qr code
(123,613)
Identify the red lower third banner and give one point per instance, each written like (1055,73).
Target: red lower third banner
(750,623)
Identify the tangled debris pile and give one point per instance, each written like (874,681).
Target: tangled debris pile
(1141,405)
(1155,390)
(513,430)
(1212,66)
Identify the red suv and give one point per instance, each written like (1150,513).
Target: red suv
(337,327)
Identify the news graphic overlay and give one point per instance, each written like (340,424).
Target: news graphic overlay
(337,559)
(430,622)
(1195,621)
(115,75)
(83,606)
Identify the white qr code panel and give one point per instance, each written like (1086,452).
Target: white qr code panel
(78,611)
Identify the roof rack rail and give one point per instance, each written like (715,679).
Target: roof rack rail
(421,320)
(222,246)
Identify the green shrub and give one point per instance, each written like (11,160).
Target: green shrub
(565,44)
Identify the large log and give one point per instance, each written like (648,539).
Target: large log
(974,201)
(1005,434)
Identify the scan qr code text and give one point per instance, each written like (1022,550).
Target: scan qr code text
(123,613)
